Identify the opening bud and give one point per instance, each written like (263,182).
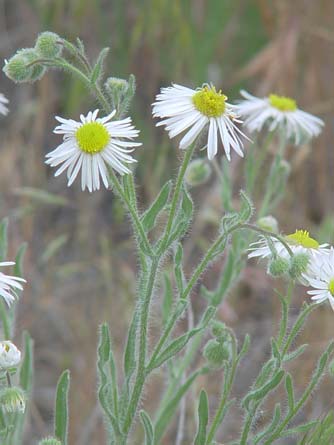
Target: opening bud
(198,172)
(48,46)
(278,267)
(12,400)
(268,223)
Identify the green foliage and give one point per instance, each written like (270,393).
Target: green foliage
(61,408)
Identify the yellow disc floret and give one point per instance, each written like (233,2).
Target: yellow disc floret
(331,286)
(92,137)
(282,103)
(209,102)
(302,238)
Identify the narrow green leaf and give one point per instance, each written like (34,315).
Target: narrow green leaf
(98,67)
(41,196)
(290,392)
(130,349)
(149,217)
(261,393)
(18,268)
(61,408)
(203,417)
(300,429)
(167,301)
(148,427)
(296,353)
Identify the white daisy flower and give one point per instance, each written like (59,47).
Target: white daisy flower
(9,284)
(299,242)
(93,145)
(3,102)
(184,109)
(278,112)
(9,355)
(320,276)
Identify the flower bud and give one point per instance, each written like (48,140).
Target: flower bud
(37,70)
(278,267)
(268,223)
(198,172)
(217,353)
(10,356)
(218,328)
(48,46)
(117,86)
(12,400)
(18,68)
(298,265)
(49,441)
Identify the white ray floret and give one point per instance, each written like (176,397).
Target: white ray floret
(92,145)
(320,277)
(183,109)
(9,285)
(278,113)
(299,242)
(3,102)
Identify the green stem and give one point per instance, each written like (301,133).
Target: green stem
(135,218)
(141,374)
(178,186)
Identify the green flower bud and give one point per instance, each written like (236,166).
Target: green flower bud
(37,70)
(198,172)
(12,400)
(298,265)
(18,68)
(218,328)
(217,353)
(117,86)
(49,441)
(268,223)
(48,46)
(278,267)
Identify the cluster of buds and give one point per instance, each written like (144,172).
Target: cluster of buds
(218,350)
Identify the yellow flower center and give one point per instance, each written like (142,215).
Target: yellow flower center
(7,347)
(331,286)
(92,137)
(302,238)
(209,102)
(282,103)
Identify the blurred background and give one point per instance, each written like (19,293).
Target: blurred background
(80,264)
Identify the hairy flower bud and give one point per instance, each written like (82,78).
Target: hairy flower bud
(298,265)
(278,267)
(49,441)
(12,400)
(268,223)
(217,353)
(198,172)
(48,46)
(20,67)
(218,328)
(116,86)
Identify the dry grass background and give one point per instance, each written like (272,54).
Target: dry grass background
(79,263)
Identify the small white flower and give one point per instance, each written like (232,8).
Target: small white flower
(91,146)
(3,102)
(320,277)
(9,284)
(184,109)
(299,242)
(278,112)
(10,356)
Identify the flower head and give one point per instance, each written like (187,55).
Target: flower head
(278,112)
(10,356)
(93,145)
(184,109)
(9,284)
(3,102)
(320,276)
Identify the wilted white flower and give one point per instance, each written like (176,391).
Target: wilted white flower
(184,109)
(3,102)
(9,284)
(278,112)
(299,242)
(320,276)
(10,356)
(91,146)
